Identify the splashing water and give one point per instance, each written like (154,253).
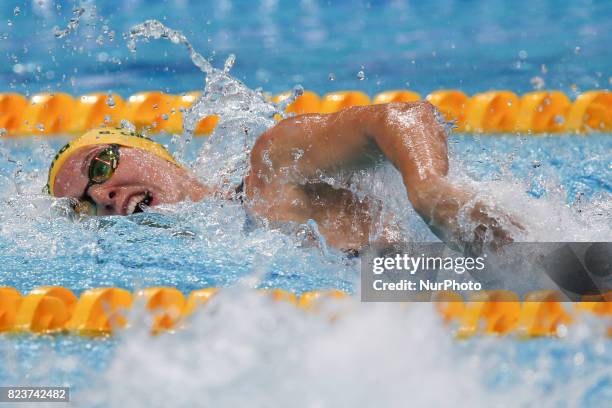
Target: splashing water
(73,24)
(244,113)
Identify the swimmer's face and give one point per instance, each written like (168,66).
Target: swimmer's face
(140,178)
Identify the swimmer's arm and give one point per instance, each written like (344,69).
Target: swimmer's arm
(407,134)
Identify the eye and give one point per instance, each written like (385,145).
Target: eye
(103,165)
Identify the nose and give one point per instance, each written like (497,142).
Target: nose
(106,198)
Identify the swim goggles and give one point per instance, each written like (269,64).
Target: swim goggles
(101,169)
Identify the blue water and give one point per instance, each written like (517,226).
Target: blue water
(374,355)
(420,45)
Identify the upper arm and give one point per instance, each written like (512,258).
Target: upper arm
(302,146)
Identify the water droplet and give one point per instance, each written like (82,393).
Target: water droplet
(16,11)
(331,76)
(561,331)
(9,23)
(577,50)
(126,124)
(523,54)
(559,119)
(40,127)
(165,116)
(107,119)
(361,75)
(72,24)
(100,40)
(544,69)
(229,63)
(536,164)
(3,132)
(537,82)
(110,101)
(579,358)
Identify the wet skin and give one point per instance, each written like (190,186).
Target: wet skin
(287,162)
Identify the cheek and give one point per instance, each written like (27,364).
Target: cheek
(165,182)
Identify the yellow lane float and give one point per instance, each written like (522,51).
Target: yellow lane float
(312,300)
(9,303)
(396,96)
(308,102)
(490,312)
(280,295)
(166,305)
(449,305)
(543,112)
(149,110)
(12,111)
(95,110)
(336,101)
(491,112)
(101,311)
(452,104)
(48,114)
(198,298)
(542,314)
(592,111)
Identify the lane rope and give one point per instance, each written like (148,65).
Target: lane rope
(488,112)
(102,311)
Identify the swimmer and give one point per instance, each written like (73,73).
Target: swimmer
(114,172)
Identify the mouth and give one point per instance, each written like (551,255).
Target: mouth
(138,202)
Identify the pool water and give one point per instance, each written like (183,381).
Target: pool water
(244,349)
(469,45)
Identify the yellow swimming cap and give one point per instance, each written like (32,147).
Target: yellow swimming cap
(102,136)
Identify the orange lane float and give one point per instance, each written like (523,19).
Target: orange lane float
(312,299)
(308,102)
(100,311)
(48,114)
(542,314)
(490,312)
(198,298)
(40,313)
(449,305)
(396,96)
(592,111)
(166,305)
(149,110)
(543,112)
(280,295)
(452,104)
(9,303)
(12,111)
(336,101)
(51,309)
(98,109)
(493,111)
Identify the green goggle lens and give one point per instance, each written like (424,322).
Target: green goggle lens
(103,165)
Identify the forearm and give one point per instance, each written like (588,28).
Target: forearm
(460,219)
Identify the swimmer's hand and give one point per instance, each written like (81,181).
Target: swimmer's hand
(457,219)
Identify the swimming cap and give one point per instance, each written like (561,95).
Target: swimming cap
(102,136)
